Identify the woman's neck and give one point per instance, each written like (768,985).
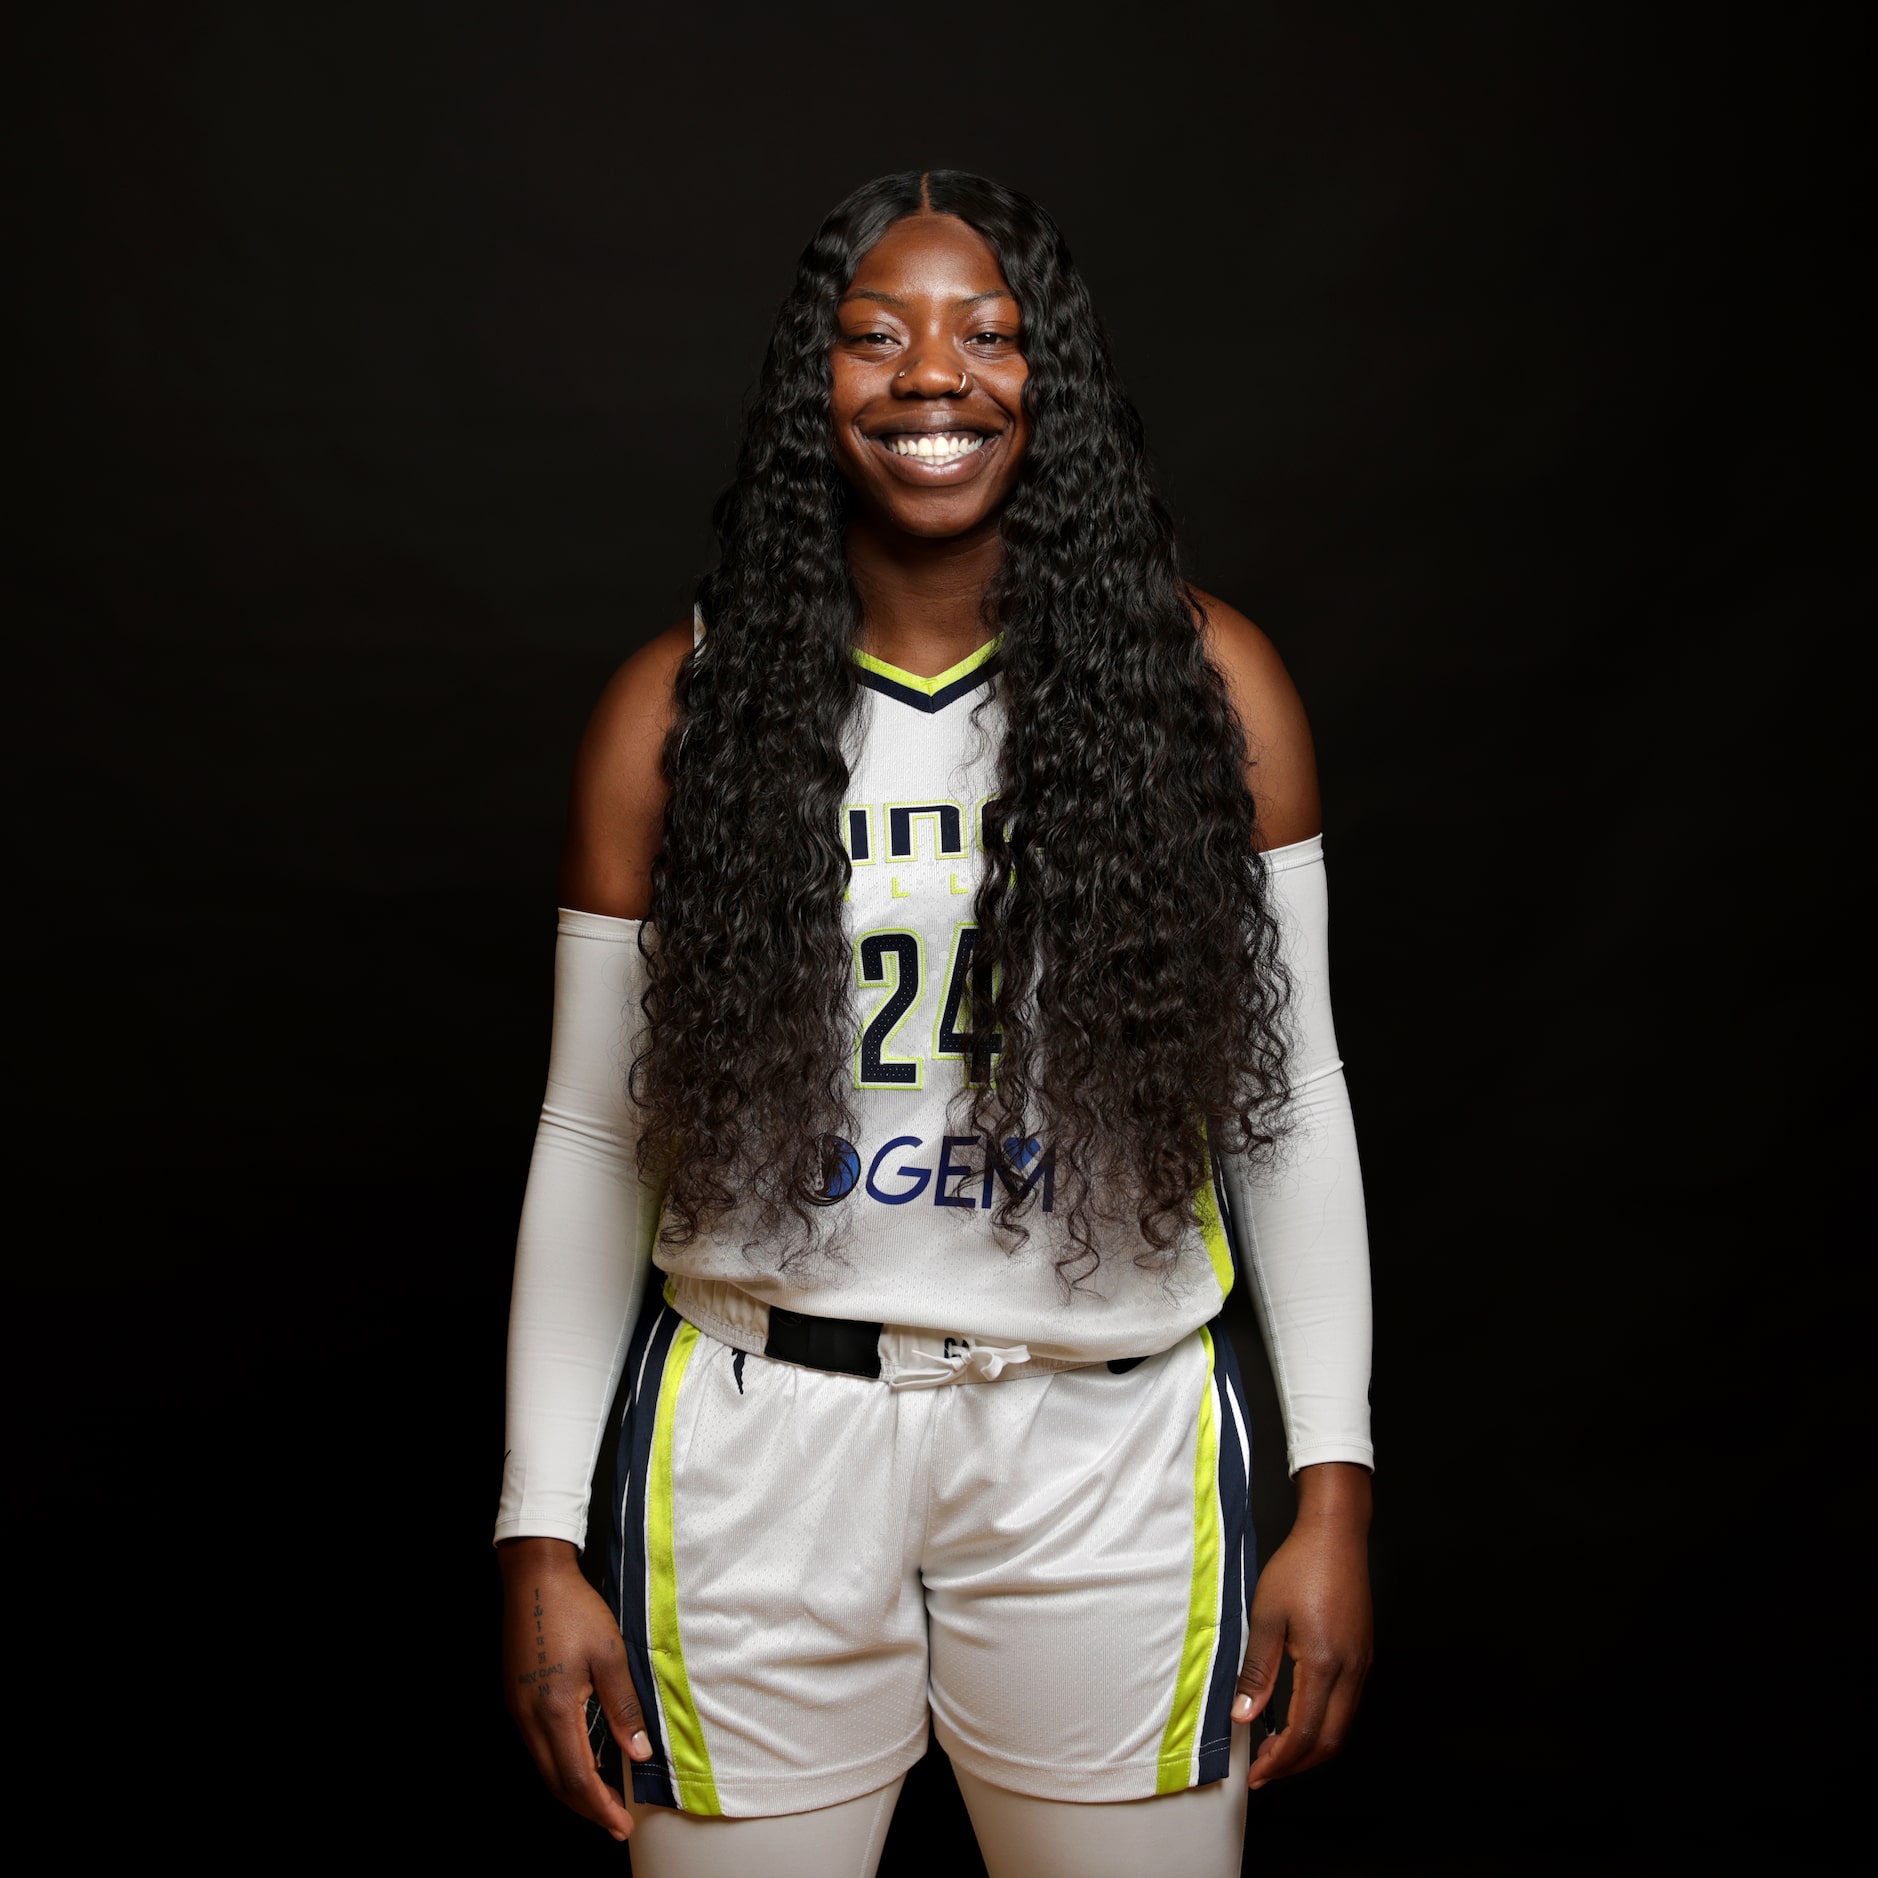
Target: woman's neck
(922,602)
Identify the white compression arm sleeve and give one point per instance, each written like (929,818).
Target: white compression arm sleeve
(1300,1222)
(585,1244)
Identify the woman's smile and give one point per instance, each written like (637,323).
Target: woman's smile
(936,456)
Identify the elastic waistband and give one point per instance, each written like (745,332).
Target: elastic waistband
(910,1357)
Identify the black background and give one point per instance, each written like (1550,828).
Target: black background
(378,367)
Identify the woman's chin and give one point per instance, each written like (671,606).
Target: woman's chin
(942,515)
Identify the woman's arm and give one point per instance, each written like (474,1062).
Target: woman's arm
(585,1243)
(1304,1239)
(616,817)
(584,1251)
(1300,1222)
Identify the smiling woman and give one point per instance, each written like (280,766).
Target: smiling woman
(942,970)
(929,377)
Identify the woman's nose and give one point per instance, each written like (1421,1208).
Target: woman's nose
(930,373)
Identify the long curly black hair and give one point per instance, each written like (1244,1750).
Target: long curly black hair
(1125,937)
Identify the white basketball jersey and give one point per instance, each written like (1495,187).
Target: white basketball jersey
(909,1199)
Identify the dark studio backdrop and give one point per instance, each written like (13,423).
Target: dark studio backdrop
(378,367)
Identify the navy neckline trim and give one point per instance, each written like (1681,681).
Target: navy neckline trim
(929,702)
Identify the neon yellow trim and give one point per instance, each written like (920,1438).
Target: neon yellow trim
(684,1730)
(1175,1772)
(927,687)
(1213,1231)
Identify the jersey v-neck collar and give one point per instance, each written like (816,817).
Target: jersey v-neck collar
(929,694)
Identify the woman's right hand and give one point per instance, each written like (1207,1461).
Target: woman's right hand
(559,1646)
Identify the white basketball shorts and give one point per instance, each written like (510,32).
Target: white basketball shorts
(805,1565)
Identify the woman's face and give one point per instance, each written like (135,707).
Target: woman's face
(928,379)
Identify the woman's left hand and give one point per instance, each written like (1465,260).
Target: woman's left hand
(1312,1604)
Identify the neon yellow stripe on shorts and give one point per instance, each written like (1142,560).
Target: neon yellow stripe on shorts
(684,1731)
(1175,1772)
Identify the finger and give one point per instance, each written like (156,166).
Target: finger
(1288,1751)
(566,1758)
(619,1702)
(1258,1676)
(1339,1714)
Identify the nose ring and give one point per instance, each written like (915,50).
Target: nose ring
(964,378)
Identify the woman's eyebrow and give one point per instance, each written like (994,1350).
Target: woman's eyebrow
(890,299)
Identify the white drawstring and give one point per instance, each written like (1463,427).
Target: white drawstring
(923,1360)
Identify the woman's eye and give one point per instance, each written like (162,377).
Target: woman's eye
(995,339)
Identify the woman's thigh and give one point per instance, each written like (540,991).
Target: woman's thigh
(1198,1833)
(831,1842)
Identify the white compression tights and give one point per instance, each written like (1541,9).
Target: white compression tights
(1198,1834)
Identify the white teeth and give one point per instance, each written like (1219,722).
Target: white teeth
(941,449)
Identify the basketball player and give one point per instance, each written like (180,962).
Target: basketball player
(942,1029)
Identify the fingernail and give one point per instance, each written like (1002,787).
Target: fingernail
(1242,1708)
(1256,1785)
(640,1745)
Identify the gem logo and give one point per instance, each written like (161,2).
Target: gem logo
(962,1159)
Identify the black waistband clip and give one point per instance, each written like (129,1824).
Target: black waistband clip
(842,1344)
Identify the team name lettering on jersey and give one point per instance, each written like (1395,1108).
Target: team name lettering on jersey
(951,1179)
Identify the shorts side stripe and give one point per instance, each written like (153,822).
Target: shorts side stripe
(691,1758)
(1233,1482)
(1176,1769)
(651,1779)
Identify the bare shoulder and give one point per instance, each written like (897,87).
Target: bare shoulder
(1283,768)
(616,819)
